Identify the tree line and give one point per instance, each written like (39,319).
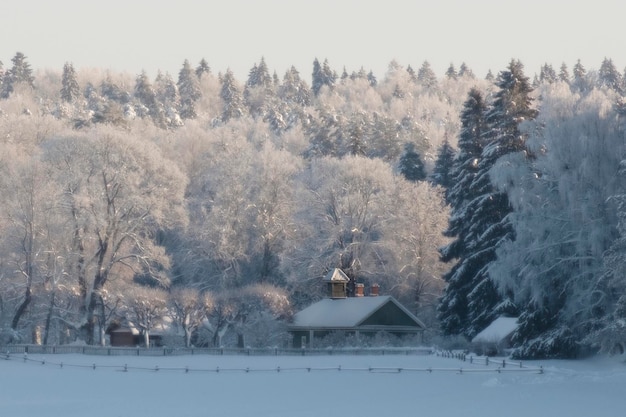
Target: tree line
(221,204)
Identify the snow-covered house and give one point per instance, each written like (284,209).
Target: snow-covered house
(496,337)
(360,315)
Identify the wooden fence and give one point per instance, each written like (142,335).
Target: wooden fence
(475,365)
(164,351)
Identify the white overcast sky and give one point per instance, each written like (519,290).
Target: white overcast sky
(131,35)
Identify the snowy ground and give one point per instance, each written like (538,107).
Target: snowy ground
(590,388)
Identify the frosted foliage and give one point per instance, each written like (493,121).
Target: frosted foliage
(345,221)
(563,218)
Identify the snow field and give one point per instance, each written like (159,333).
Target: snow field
(574,388)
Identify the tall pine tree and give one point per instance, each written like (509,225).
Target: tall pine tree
(189,90)
(19,73)
(452,309)
(479,219)
(232,98)
(491,227)
(70,89)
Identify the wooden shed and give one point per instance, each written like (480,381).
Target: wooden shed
(124,337)
(496,337)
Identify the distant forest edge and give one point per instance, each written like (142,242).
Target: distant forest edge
(218,205)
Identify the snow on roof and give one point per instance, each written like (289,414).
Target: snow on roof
(345,312)
(497,330)
(342,313)
(336,275)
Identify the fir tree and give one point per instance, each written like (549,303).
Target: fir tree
(443,165)
(372,79)
(453,309)
(609,76)
(232,98)
(344,75)
(189,90)
(294,90)
(412,74)
(411,165)
(259,90)
(465,71)
(322,76)
(490,209)
(426,76)
(547,74)
(325,134)
(166,92)
(564,74)
(111,91)
(580,82)
(357,131)
(19,73)
(145,94)
(451,72)
(259,76)
(70,89)
(202,68)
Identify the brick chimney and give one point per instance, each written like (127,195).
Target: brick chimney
(374,290)
(359,290)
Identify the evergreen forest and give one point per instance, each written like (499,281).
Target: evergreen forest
(218,205)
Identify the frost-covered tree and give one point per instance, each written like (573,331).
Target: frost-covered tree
(70,90)
(233,102)
(547,74)
(294,90)
(580,81)
(167,95)
(115,196)
(385,141)
(259,75)
(202,68)
(19,73)
(144,308)
(471,300)
(322,76)
(564,221)
(188,308)
(453,308)
(610,330)
(372,79)
(357,134)
(189,91)
(426,76)
(512,105)
(465,71)
(149,106)
(259,91)
(325,133)
(609,76)
(451,72)
(564,74)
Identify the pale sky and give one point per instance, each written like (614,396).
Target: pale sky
(131,35)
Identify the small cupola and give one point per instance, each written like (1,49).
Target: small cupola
(336,282)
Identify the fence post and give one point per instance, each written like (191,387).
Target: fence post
(504,363)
